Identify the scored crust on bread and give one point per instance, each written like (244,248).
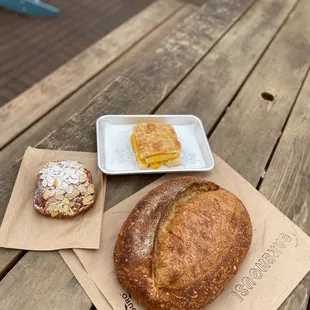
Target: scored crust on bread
(182,244)
(64,189)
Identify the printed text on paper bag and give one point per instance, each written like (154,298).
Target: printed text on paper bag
(262,266)
(128,303)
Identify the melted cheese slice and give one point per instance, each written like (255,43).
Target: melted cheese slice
(153,161)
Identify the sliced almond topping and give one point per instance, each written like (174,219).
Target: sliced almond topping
(44,183)
(66,208)
(71,204)
(50,181)
(70,189)
(70,196)
(87,200)
(54,213)
(73,181)
(52,200)
(64,185)
(65,201)
(83,178)
(57,207)
(91,188)
(83,190)
(74,176)
(46,195)
(61,191)
(50,192)
(59,196)
(52,206)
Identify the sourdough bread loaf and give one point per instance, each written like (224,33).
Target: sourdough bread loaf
(182,244)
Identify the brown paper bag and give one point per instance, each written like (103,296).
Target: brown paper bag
(85,280)
(24,228)
(279,256)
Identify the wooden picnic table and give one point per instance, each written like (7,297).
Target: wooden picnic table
(242,66)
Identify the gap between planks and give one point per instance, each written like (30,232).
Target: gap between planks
(254,121)
(212,129)
(290,167)
(265,171)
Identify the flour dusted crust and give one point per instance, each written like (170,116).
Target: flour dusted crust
(182,244)
(64,189)
(154,138)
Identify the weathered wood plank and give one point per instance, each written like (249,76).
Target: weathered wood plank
(8,258)
(248,132)
(89,286)
(216,79)
(21,112)
(62,112)
(286,183)
(80,99)
(30,287)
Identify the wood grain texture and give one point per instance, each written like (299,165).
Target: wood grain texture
(80,99)
(209,88)
(24,110)
(286,183)
(45,272)
(249,130)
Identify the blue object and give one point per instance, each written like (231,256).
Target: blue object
(30,7)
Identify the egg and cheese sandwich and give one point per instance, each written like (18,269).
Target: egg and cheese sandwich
(156,145)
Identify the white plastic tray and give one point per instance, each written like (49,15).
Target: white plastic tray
(116,156)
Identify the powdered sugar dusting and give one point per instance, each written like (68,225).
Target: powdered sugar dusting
(61,175)
(148,214)
(145,226)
